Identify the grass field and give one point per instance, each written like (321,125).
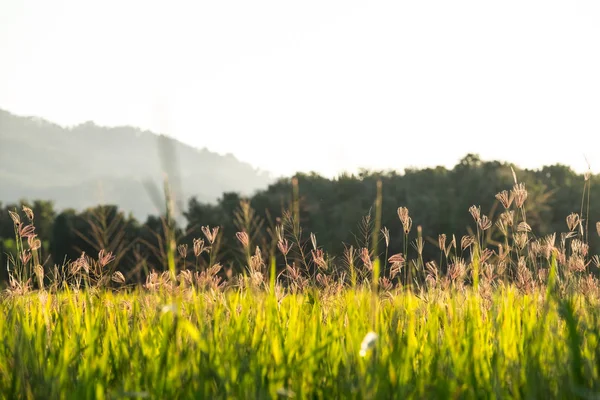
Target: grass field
(522,322)
(255,345)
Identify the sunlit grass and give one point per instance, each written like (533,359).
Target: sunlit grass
(248,344)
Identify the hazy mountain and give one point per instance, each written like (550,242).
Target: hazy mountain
(85,165)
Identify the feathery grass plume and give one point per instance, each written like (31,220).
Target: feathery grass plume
(475,213)
(501,225)
(419,244)
(366,258)
(457,270)
(284,246)
(598,227)
(523,227)
(505,198)
(26,231)
(535,249)
(29,213)
(313,240)
(508,218)
(521,239)
(182,250)
(118,277)
(520,194)
(199,247)
(576,263)
(451,245)
(485,255)
(104,258)
(34,243)
(349,259)
(432,273)
(442,241)
(243,238)
(256,261)
(25,256)
(15,217)
(573,221)
(579,247)
(466,241)
(524,276)
(405,219)
(484,223)
(396,261)
(386,236)
(211,235)
(319,258)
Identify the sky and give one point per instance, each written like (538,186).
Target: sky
(325,86)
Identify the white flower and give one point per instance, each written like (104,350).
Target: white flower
(169,308)
(368,343)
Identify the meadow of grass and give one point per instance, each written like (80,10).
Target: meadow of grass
(520,322)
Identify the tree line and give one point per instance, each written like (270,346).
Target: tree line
(359,210)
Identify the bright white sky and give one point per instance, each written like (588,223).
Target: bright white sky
(318,85)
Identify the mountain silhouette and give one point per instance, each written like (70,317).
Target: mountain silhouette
(86,165)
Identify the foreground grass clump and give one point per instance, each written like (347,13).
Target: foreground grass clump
(248,344)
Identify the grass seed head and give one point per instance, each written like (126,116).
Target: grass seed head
(15,217)
(182,249)
(386,235)
(484,223)
(573,221)
(29,213)
(520,194)
(105,258)
(211,235)
(34,243)
(442,241)
(505,198)
(523,227)
(466,241)
(243,238)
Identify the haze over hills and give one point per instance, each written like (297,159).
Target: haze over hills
(85,165)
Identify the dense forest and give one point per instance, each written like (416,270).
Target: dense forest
(339,212)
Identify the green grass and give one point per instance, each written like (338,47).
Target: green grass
(249,344)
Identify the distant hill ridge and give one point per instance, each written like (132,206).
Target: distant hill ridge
(87,164)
